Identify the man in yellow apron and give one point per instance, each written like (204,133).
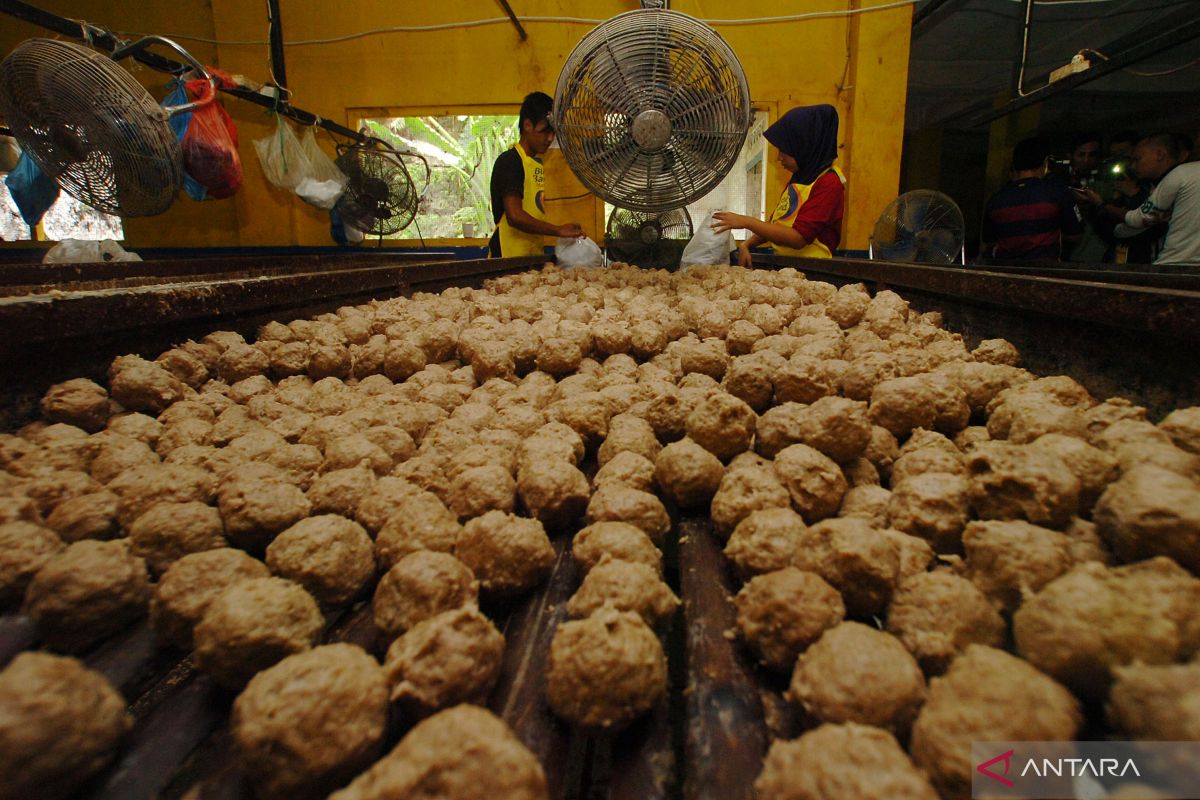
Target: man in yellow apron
(518,187)
(807,220)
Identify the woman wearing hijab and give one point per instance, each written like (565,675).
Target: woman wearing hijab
(807,221)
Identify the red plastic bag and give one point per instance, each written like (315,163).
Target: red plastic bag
(210,149)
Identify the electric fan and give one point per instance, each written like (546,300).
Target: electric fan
(922,226)
(380,197)
(648,239)
(651,109)
(91,127)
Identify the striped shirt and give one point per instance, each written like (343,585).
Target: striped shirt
(1027,219)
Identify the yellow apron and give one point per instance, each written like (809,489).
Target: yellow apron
(794,196)
(514,242)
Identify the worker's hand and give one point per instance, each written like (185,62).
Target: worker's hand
(744,257)
(727,221)
(1089,196)
(570,230)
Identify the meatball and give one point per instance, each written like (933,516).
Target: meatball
(987,695)
(447,659)
(937,614)
(1013,482)
(379,506)
(479,490)
(330,556)
(814,481)
(856,673)
(882,451)
(141,385)
(420,522)
(623,504)
(88,516)
(340,491)
(79,402)
(862,562)
(24,549)
(1084,623)
(88,591)
(141,487)
(836,426)
(781,613)
(508,554)
(722,425)
(1008,559)
(628,469)
(619,540)
(422,584)
(1156,702)
(465,752)
(744,490)
(605,670)
(997,351)
(253,625)
(628,433)
(1151,512)
(804,379)
(765,541)
(869,502)
(62,724)
(914,462)
(186,590)
(932,505)
(256,510)
(688,474)
(749,379)
(828,764)
(308,724)
(779,427)
(626,586)
(346,452)
(553,491)
(170,531)
(1094,468)
(901,405)
(1182,425)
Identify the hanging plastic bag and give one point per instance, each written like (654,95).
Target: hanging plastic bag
(707,248)
(578,251)
(179,123)
(323,183)
(78,251)
(31,189)
(210,149)
(283,159)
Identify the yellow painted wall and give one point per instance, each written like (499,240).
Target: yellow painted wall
(787,64)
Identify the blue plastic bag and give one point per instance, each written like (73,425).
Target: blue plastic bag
(179,125)
(31,190)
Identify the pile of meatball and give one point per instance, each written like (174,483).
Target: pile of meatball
(935,544)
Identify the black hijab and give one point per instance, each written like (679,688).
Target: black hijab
(809,135)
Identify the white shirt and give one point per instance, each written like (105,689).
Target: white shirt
(1179,194)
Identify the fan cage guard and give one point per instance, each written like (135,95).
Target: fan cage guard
(651,110)
(922,226)
(648,239)
(380,198)
(89,125)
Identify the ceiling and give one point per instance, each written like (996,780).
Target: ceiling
(966,53)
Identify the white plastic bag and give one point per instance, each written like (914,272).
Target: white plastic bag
(283,159)
(80,251)
(708,248)
(323,183)
(578,251)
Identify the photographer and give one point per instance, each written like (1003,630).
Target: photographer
(1030,218)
